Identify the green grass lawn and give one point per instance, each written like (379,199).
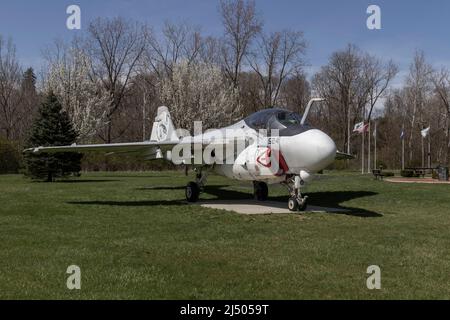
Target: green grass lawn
(134,237)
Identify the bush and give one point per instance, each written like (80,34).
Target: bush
(408,174)
(10,158)
(388,174)
(434,174)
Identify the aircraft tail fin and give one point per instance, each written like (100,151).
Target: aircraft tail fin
(163,129)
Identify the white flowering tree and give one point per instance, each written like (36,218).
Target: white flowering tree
(199,92)
(84,100)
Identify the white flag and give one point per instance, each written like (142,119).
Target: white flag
(358,126)
(425,132)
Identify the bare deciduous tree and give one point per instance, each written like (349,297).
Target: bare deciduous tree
(179,42)
(418,87)
(115,47)
(241,25)
(378,77)
(10,79)
(295,94)
(341,83)
(277,57)
(441,82)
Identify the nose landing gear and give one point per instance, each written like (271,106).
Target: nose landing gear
(296,202)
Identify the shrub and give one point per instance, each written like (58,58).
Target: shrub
(434,174)
(10,158)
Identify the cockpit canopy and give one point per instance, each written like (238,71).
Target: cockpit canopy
(287,122)
(273,119)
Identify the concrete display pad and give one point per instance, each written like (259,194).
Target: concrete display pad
(260,207)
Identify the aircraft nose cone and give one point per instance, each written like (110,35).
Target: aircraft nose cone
(325,149)
(312,151)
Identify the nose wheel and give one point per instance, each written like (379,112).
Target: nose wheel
(297,205)
(296,201)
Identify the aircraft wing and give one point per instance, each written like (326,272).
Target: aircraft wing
(343,156)
(146,149)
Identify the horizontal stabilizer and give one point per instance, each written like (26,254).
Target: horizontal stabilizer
(343,156)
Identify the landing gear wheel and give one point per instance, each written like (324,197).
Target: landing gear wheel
(260,190)
(192,192)
(293,204)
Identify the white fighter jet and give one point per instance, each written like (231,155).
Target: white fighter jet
(270,146)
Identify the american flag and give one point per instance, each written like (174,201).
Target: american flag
(361,127)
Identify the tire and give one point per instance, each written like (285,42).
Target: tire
(260,191)
(293,204)
(192,192)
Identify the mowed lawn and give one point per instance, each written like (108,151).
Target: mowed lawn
(134,237)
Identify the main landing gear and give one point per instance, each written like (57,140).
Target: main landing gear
(193,189)
(260,190)
(296,201)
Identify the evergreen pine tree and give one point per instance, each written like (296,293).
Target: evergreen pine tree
(52,127)
(29,81)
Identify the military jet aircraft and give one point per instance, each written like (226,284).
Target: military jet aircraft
(270,146)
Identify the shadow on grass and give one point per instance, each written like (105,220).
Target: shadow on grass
(161,188)
(132,176)
(138,203)
(86,181)
(216,190)
(332,199)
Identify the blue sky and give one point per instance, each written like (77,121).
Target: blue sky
(328,25)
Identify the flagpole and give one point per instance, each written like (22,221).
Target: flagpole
(375,147)
(362,150)
(368,150)
(423,154)
(403,154)
(403,149)
(429,149)
(362,140)
(348,131)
